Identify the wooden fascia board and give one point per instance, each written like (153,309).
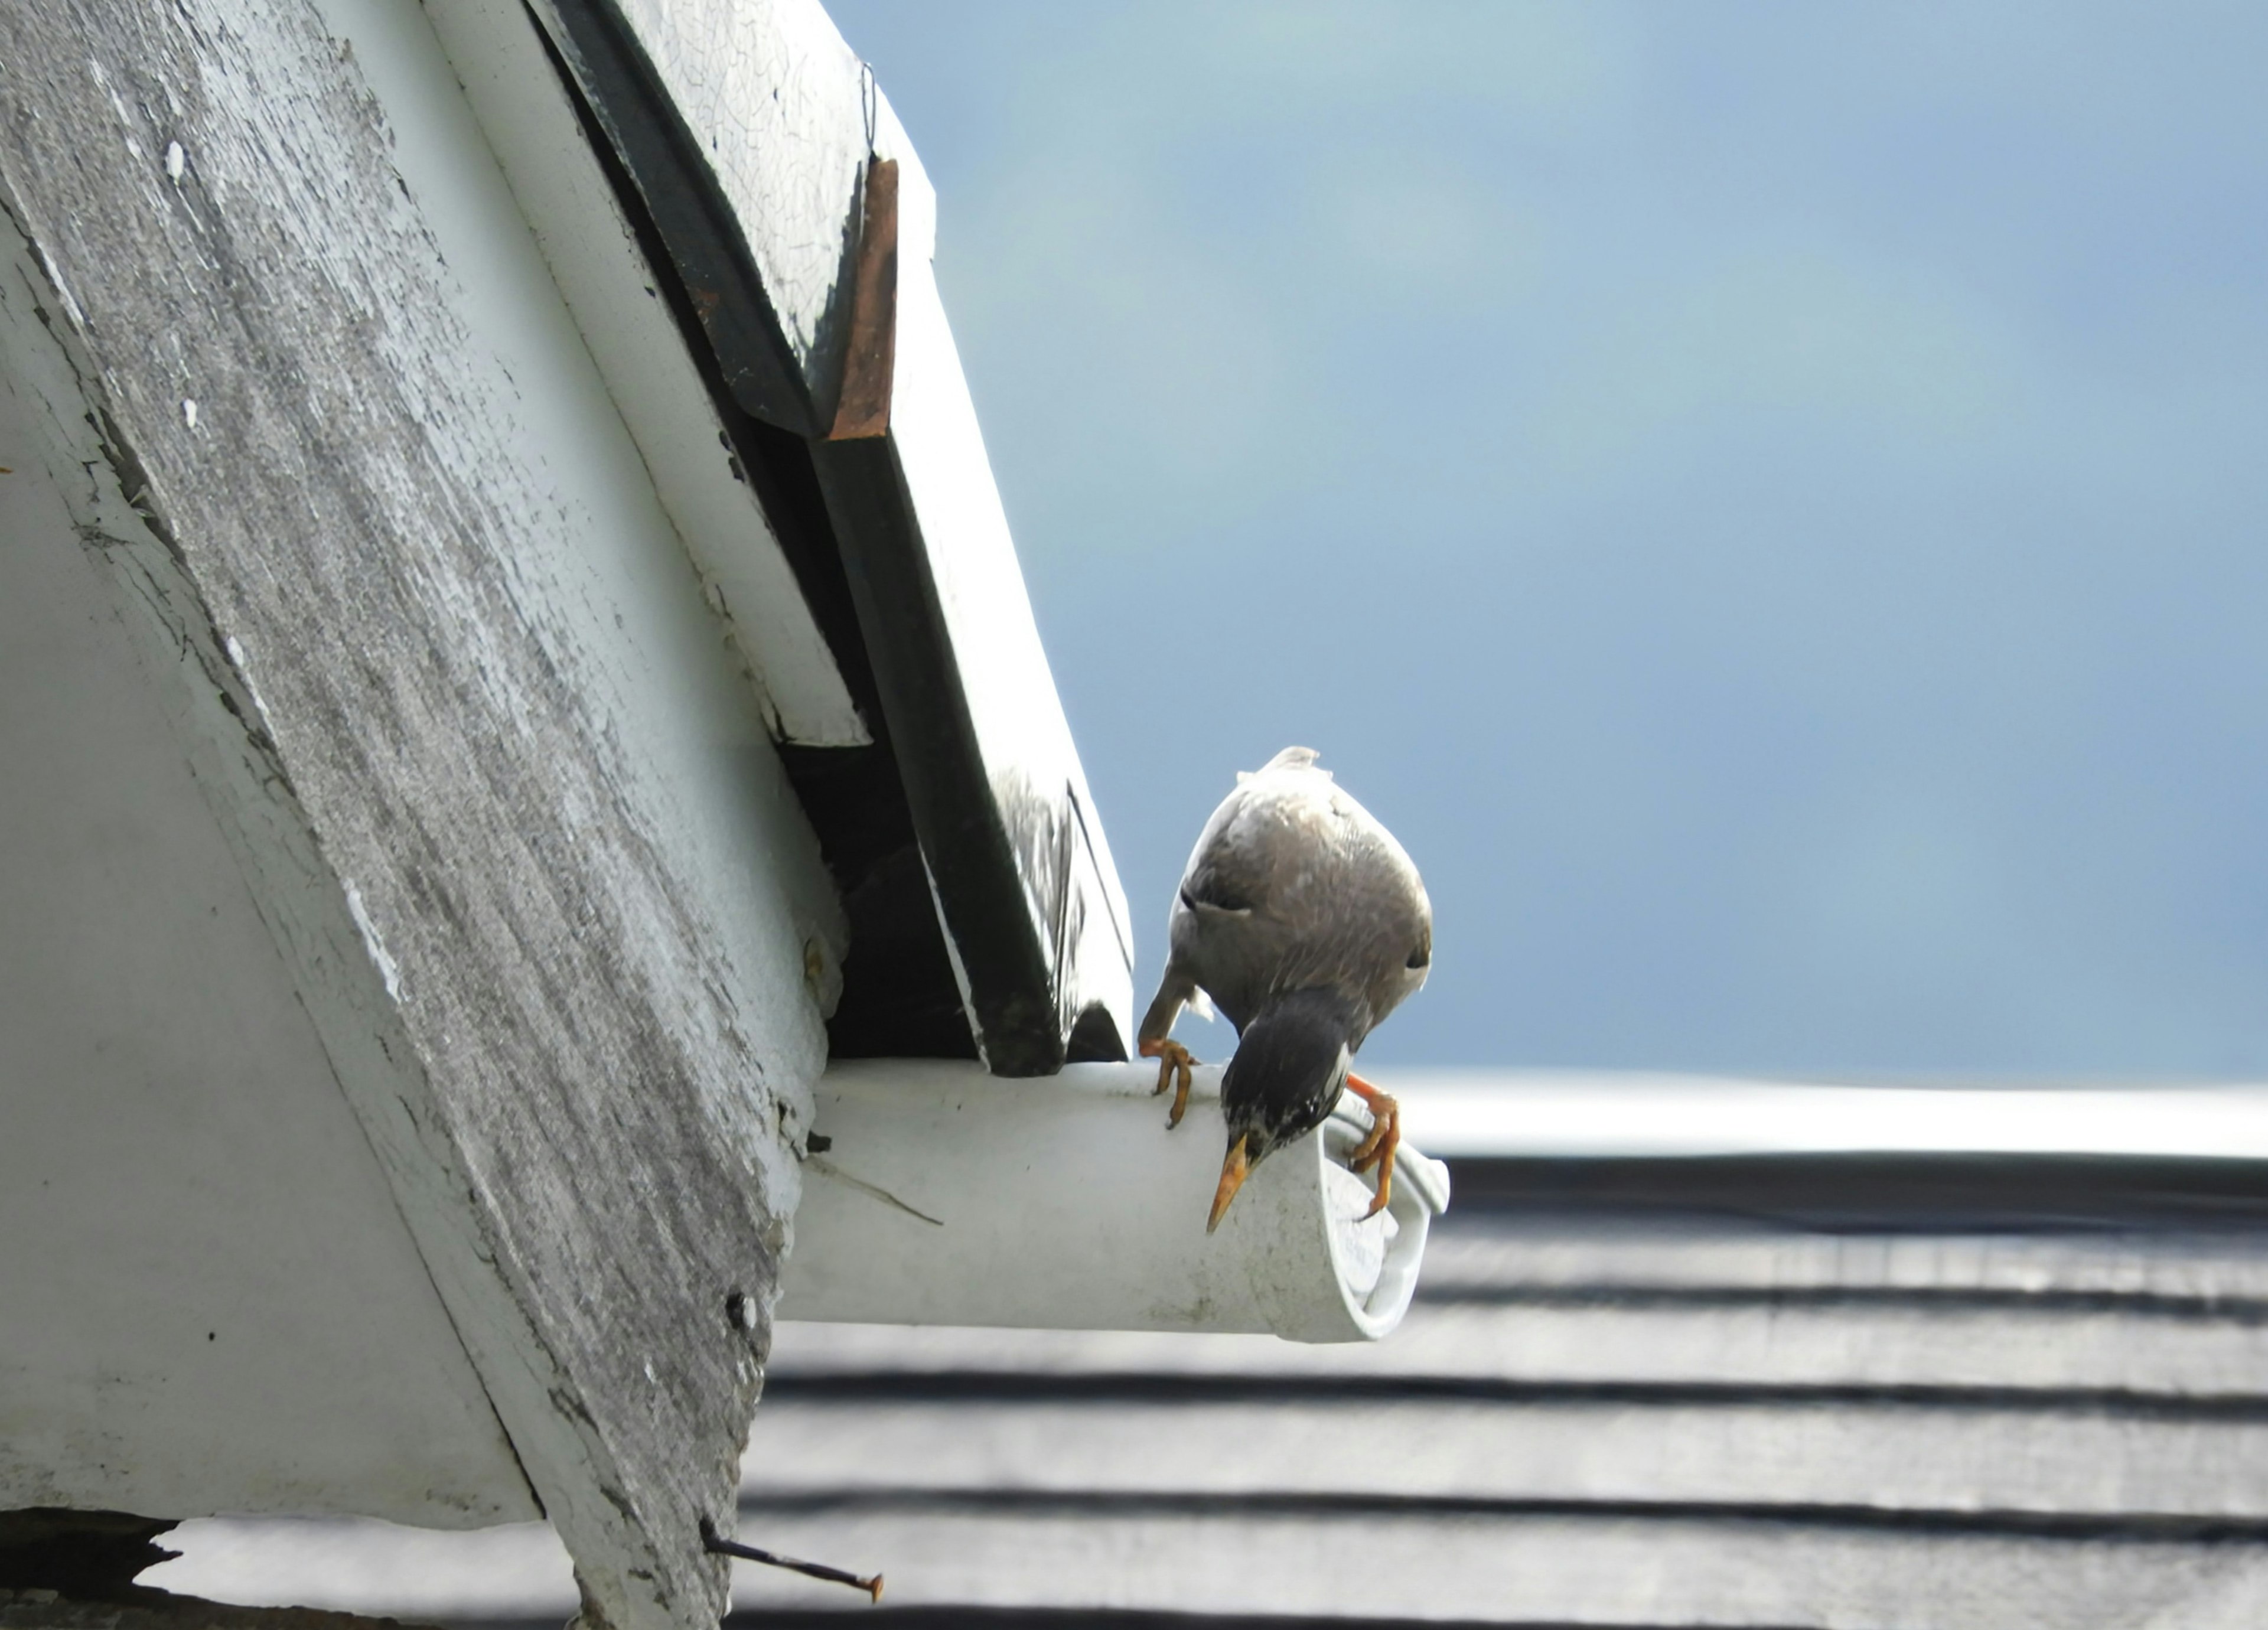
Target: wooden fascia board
(993,780)
(1023,875)
(974,868)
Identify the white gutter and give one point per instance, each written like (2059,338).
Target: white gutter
(945,1196)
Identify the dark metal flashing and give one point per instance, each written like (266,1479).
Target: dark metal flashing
(703,240)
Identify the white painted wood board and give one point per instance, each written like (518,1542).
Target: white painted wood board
(746,130)
(531,124)
(451,688)
(208,1300)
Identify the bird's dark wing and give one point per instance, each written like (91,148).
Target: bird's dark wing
(1235,865)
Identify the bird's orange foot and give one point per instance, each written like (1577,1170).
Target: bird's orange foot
(1174,1062)
(1378,1148)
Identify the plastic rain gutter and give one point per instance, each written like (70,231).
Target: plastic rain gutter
(945,1196)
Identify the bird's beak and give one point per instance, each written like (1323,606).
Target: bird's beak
(1233,1171)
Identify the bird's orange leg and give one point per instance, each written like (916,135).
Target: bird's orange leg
(1378,1148)
(1174,1062)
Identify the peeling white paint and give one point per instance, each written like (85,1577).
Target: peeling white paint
(243,667)
(781,98)
(62,289)
(386,968)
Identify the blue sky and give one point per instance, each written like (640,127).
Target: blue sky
(1769,503)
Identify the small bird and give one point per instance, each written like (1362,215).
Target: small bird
(1304,923)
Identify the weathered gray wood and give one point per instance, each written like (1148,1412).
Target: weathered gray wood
(549,913)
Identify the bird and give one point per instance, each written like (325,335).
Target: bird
(1305,923)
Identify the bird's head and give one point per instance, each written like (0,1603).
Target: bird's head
(1288,1069)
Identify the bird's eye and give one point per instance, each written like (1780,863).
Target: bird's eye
(1423,957)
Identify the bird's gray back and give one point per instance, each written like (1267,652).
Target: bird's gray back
(1293,885)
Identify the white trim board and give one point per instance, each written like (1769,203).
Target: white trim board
(1543,1113)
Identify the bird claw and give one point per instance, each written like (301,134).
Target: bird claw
(1377,1148)
(1174,1062)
